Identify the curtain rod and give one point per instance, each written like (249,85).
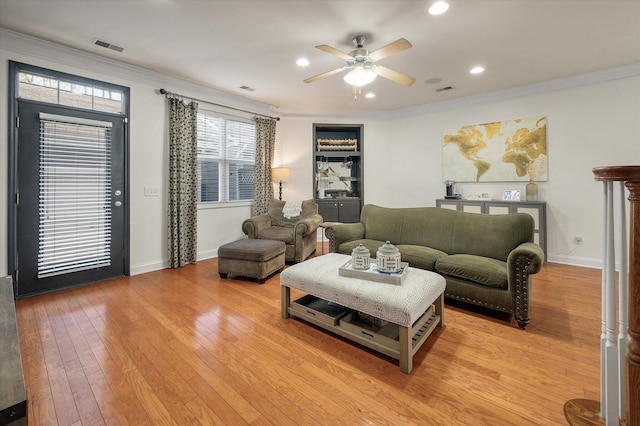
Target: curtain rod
(166,92)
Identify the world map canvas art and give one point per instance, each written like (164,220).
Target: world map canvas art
(504,151)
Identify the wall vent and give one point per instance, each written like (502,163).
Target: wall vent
(444,89)
(247,88)
(106,45)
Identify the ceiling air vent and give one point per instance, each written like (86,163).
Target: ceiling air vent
(247,88)
(107,45)
(444,89)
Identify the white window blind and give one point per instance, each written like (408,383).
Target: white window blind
(226,158)
(75,195)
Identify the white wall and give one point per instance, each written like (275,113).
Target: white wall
(588,125)
(592,125)
(148,148)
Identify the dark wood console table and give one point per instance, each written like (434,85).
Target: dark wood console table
(13,394)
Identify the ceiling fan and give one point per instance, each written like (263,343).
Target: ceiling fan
(362,64)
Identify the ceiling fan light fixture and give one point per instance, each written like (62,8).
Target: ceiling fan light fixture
(360,75)
(438,8)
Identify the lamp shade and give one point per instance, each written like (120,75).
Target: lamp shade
(280,174)
(360,75)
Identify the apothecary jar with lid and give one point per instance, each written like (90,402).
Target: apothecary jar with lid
(360,257)
(388,258)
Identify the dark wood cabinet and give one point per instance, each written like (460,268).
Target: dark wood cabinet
(339,210)
(338,171)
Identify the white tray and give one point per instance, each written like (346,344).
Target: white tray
(372,274)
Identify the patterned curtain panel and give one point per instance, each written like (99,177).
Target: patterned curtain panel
(183,144)
(265,144)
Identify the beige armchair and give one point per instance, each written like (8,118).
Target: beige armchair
(298,233)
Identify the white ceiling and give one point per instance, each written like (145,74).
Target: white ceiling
(225,44)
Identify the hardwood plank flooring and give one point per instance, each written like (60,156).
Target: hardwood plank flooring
(184,347)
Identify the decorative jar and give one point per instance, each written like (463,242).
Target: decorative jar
(532,191)
(388,258)
(360,257)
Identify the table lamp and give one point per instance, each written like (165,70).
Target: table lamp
(280,174)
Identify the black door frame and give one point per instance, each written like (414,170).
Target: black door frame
(12,160)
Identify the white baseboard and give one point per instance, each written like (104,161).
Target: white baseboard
(585,262)
(148,267)
(164,264)
(207,254)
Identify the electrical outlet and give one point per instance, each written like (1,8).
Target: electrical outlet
(577,239)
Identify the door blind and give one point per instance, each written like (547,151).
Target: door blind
(74,195)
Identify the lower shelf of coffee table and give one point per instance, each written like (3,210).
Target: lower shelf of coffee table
(345,322)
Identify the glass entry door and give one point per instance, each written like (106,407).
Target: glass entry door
(70,212)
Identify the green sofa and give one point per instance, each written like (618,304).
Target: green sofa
(486,260)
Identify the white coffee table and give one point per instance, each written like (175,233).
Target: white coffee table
(416,306)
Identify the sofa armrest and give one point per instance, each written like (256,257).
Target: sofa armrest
(342,232)
(523,261)
(308,225)
(531,251)
(256,224)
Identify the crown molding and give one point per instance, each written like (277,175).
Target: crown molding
(45,50)
(627,71)
(597,77)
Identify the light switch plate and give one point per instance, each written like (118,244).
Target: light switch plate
(151,191)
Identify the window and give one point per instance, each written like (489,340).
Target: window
(226,158)
(70,93)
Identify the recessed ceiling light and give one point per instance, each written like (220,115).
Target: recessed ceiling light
(477,70)
(438,8)
(302,62)
(370,95)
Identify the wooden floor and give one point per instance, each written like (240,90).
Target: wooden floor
(183,347)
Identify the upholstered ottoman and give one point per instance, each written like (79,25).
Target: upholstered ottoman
(251,258)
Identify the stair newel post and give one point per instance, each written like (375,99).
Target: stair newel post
(633,347)
(619,357)
(609,351)
(623,297)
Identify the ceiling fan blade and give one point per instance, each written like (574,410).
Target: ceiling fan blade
(394,76)
(324,74)
(390,49)
(334,51)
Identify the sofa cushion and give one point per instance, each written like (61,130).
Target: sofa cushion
(309,207)
(429,227)
(481,270)
(489,235)
(383,224)
(420,257)
(251,249)
(372,245)
(284,234)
